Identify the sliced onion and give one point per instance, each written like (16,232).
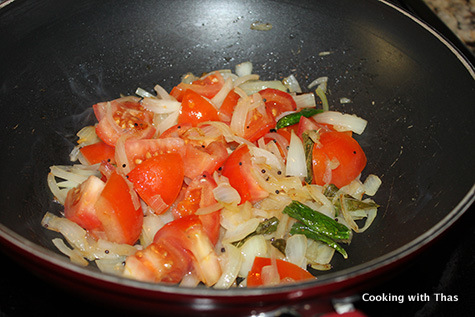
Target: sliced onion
(254,246)
(123,164)
(160,106)
(162,93)
(281,141)
(295,250)
(241,231)
(344,100)
(318,81)
(209,209)
(320,91)
(372,184)
(238,120)
(143,93)
(252,87)
(230,264)
(292,84)
(225,193)
(270,159)
(73,254)
(243,69)
(218,99)
(270,274)
(59,194)
(170,121)
(342,122)
(319,254)
(306,100)
(296,164)
(190,280)
(111,266)
(253,78)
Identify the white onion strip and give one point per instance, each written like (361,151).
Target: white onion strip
(342,122)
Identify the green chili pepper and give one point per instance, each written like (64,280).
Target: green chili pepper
(294,118)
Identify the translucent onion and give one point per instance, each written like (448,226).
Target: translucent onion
(296,164)
(243,69)
(254,246)
(111,266)
(241,231)
(123,164)
(143,93)
(160,106)
(318,81)
(306,100)
(59,194)
(218,99)
(238,120)
(209,209)
(225,193)
(74,255)
(292,84)
(170,121)
(372,184)
(253,78)
(252,87)
(270,159)
(295,250)
(342,122)
(162,93)
(319,255)
(231,262)
(270,274)
(321,94)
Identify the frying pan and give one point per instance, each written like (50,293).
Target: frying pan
(414,88)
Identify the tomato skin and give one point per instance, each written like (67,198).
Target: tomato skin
(237,169)
(199,194)
(188,233)
(277,101)
(196,109)
(122,116)
(227,107)
(121,219)
(98,152)
(259,122)
(79,206)
(287,271)
(346,150)
(199,160)
(161,176)
(207,86)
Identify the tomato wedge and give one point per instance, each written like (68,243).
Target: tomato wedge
(342,148)
(119,211)
(288,272)
(227,107)
(237,169)
(188,233)
(196,109)
(123,116)
(79,206)
(207,86)
(278,101)
(258,123)
(98,152)
(158,180)
(204,159)
(199,194)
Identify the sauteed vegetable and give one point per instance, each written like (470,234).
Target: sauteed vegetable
(226,181)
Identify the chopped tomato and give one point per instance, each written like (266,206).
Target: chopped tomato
(258,123)
(277,101)
(118,209)
(158,180)
(188,233)
(207,86)
(203,159)
(340,148)
(137,151)
(159,262)
(199,194)
(98,152)
(196,109)
(123,116)
(237,169)
(288,272)
(80,202)
(227,107)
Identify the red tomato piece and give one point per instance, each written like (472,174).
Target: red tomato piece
(119,211)
(237,169)
(207,86)
(196,109)
(79,206)
(199,194)
(188,233)
(343,148)
(98,152)
(227,107)
(201,159)
(277,101)
(123,116)
(287,271)
(258,123)
(158,180)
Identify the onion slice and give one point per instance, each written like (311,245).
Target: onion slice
(342,122)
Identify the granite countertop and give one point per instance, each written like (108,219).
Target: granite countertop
(459,16)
